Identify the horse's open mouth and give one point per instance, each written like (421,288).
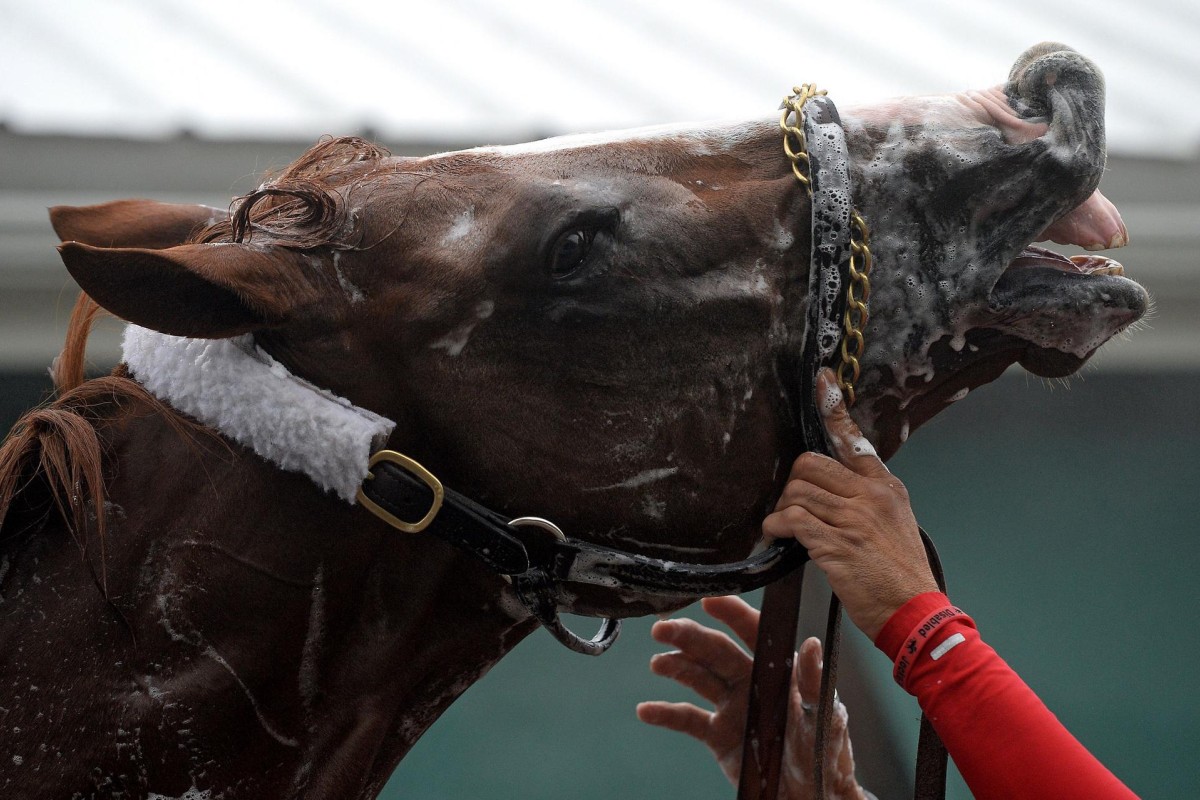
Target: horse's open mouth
(1046,311)
(1063,307)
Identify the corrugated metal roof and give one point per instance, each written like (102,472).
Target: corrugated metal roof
(477,71)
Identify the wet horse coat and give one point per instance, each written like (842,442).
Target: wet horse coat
(600,330)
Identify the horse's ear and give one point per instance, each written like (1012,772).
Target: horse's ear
(132,223)
(207,291)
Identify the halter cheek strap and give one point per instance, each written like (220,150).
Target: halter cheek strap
(835,262)
(540,561)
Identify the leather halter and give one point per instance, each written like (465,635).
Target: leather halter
(398,489)
(538,566)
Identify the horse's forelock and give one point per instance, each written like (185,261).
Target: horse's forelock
(304,207)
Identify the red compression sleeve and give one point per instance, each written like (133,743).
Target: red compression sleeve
(1003,739)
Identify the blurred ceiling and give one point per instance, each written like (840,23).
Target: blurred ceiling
(476,71)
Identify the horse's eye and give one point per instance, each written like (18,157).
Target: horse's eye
(569,253)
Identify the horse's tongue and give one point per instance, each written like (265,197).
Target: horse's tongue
(1094,225)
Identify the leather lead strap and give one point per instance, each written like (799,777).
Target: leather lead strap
(770,685)
(932,758)
(833,649)
(770,682)
(542,567)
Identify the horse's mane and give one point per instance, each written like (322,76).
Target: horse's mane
(58,441)
(302,208)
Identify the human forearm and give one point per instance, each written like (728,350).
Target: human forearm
(1003,739)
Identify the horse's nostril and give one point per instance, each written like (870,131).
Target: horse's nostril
(1033,54)
(1052,65)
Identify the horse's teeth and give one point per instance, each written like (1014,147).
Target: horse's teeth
(1097,265)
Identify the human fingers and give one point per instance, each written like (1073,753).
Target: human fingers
(740,616)
(807,679)
(712,648)
(824,505)
(797,522)
(680,717)
(697,677)
(847,441)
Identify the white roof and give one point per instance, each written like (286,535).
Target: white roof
(476,71)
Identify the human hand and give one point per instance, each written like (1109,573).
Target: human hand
(855,520)
(710,663)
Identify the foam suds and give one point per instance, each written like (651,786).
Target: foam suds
(922,296)
(191,794)
(456,340)
(640,479)
(463,224)
(830,399)
(725,135)
(862,447)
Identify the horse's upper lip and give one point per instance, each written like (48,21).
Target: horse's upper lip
(1095,224)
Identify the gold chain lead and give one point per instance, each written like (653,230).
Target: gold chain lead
(854,321)
(795,145)
(858,293)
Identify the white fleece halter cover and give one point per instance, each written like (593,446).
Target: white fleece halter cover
(233,386)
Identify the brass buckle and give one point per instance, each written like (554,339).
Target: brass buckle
(413,468)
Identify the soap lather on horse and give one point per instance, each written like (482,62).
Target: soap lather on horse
(604,331)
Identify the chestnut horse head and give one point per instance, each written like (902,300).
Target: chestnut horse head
(602,330)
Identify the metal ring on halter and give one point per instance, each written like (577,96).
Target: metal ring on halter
(609,629)
(536,591)
(535,522)
(539,522)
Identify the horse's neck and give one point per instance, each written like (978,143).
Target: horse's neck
(272,635)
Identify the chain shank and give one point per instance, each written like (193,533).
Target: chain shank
(858,293)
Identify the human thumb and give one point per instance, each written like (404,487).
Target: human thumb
(848,443)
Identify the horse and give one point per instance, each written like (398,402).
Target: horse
(602,330)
